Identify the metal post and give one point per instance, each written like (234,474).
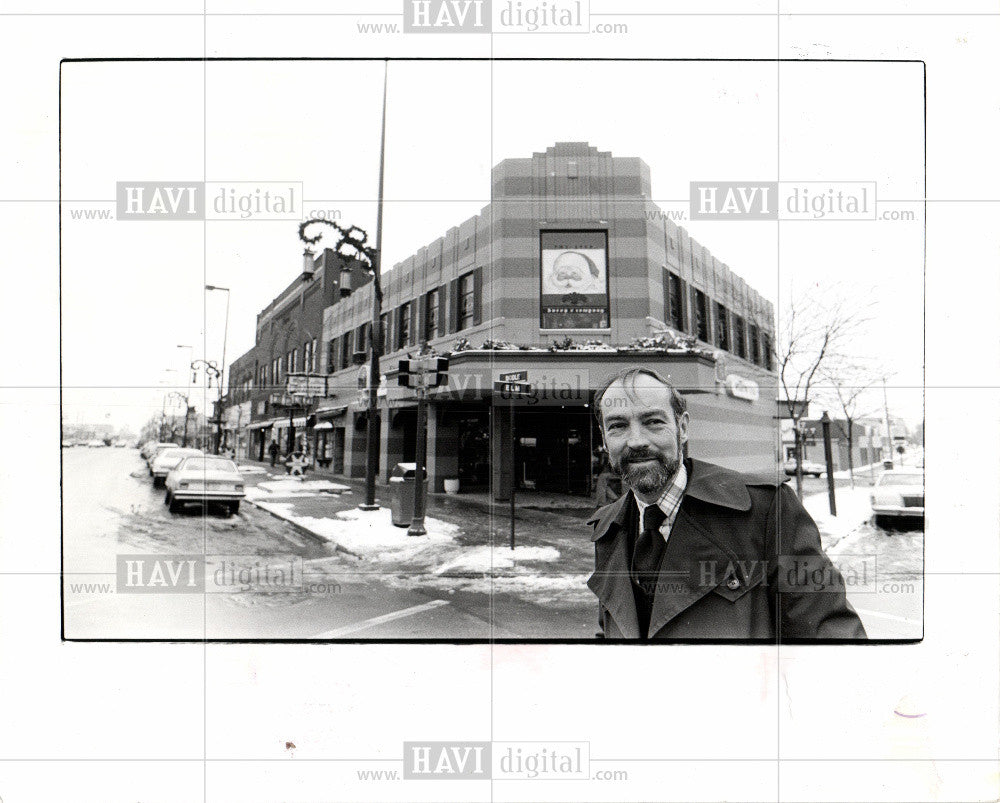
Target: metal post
(828,452)
(887,451)
(371,465)
(417,524)
(513,471)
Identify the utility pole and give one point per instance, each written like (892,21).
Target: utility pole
(888,427)
(371,464)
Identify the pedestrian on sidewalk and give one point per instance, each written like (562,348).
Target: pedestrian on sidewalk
(273,450)
(708,559)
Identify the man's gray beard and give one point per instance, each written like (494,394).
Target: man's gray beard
(647,479)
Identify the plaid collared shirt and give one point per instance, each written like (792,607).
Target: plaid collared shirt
(669,501)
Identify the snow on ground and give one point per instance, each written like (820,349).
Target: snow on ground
(486,558)
(853,510)
(252,469)
(270,489)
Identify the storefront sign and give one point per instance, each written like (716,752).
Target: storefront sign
(307,385)
(742,388)
(574,279)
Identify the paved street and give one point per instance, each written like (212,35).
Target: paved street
(460,581)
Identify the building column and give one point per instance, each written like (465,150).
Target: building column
(442,448)
(501,463)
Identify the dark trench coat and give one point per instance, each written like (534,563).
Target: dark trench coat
(743,561)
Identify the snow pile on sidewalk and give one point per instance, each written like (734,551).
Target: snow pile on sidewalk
(486,558)
(269,489)
(248,469)
(853,510)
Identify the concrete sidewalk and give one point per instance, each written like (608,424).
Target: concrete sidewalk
(467,545)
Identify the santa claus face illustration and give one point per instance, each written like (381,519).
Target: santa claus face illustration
(574,272)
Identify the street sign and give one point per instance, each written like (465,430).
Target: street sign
(514,376)
(306,385)
(511,388)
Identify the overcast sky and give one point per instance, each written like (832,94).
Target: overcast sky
(132,291)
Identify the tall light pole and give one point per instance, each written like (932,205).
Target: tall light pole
(222,367)
(187,394)
(371,465)
(353,243)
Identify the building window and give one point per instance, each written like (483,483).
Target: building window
(306,357)
(466,301)
(740,335)
(721,327)
(403,333)
(431,301)
(671,244)
(384,332)
(295,360)
(700,315)
(361,338)
(312,356)
(345,350)
(754,344)
(674,312)
(331,356)
(766,356)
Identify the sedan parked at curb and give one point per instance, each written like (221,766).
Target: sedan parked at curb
(166,460)
(808,469)
(898,493)
(204,479)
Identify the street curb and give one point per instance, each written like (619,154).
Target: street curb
(306,531)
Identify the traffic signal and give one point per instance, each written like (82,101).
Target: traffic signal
(437,372)
(404,374)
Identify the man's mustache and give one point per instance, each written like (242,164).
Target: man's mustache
(638,455)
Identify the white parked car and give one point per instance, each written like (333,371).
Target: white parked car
(897,493)
(149,448)
(203,480)
(166,460)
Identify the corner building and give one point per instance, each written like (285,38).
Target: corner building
(566,277)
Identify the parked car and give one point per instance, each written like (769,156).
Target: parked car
(68,444)
(898,493)
(808,469)
(151,446)
(95,443)
(157,450)
(166,460)
(204,479)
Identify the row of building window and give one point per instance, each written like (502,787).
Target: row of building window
(272,373)
(731,332)
(413,322)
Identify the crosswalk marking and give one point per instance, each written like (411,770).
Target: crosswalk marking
(377,620)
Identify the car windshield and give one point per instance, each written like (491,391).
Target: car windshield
(209,464)
(901,479)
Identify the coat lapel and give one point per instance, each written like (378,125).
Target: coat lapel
(691,554)
(610,580)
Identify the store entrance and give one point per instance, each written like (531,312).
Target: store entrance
(555,449)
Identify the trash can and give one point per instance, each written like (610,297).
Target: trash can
(887,465)
(402,487)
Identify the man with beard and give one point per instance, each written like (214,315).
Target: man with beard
(692,550)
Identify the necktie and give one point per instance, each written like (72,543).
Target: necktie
(649,548)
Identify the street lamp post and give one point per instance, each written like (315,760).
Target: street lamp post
(187,396)
(222,367)
(828,454)
(211,370)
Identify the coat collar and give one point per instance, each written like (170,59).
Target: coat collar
(706,483)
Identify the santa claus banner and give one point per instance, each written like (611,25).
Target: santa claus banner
(574,280)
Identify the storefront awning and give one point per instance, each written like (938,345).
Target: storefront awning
(282,423)
(331,412)
(323,425)
(261,424)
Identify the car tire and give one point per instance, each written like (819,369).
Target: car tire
(175,506)
(167,499)
(234,508)
(158,482)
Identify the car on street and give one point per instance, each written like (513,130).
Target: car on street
(166,460)
(95,443)
(808,469)
(151,446)
(898,493)
(204,479)
(68,444)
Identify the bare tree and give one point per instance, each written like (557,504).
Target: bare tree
(816,333)
(848,385)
